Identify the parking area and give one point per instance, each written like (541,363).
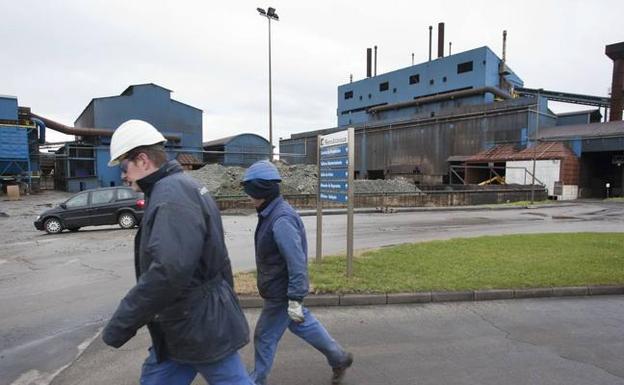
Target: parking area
(57,291)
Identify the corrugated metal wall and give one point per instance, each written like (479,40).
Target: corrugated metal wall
(426,144)
(246,149)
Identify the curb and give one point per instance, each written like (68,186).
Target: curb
(313,300)
(392,210)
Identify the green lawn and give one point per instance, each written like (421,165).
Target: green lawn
(492,262)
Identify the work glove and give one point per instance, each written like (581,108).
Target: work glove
(295,311)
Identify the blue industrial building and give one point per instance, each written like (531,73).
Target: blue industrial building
(19,145)
(238,150)
(425,121)
(474,77)
(85,162)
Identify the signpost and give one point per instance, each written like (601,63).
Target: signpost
(336,158)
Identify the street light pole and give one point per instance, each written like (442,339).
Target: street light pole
(270,15)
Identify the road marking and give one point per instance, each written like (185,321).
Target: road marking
(35,377)
(30,242)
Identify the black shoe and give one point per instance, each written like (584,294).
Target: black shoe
(340,371)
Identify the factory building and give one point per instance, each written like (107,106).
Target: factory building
(19,146)
(88,157)
(434,121)
(466,78)
(238,150)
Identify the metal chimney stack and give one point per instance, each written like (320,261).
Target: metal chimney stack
(615,52)
(369,53)
(430,37)
(375,72)
(440,40)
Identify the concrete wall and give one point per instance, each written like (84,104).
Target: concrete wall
(432,198)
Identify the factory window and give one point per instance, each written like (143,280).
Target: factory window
(394,90)
(360,97)
(348,95)
(431,82)
(369,96)
(444,79)
(384,86)
(414,79)
(464,67)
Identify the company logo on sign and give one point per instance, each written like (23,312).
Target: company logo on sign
(334,139)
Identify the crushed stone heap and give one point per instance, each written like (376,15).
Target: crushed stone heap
(296,179)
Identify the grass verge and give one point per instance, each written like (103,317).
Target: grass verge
(491,262)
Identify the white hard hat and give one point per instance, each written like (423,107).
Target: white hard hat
(130,135)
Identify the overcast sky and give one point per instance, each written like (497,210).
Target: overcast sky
(58,55)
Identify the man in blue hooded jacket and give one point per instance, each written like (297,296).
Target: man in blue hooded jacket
(282,267)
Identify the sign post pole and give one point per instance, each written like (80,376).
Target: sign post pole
(319,206)
(350,202)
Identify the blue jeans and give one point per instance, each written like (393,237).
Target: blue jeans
(271,326)
(228,371)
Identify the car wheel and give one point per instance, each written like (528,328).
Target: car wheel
(74,229)
(53,226)
(126,221)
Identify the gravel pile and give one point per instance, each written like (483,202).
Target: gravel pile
(296,179)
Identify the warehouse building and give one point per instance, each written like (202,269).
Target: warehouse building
(238,150)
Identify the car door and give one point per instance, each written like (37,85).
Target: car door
(76,211)
(103,207)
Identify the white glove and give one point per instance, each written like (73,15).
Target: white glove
(295,311)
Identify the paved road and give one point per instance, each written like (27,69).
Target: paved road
(571,341)
(56,291)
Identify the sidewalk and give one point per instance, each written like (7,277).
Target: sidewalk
(554,341)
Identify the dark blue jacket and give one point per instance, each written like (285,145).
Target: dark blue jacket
(281,253)
(184,291)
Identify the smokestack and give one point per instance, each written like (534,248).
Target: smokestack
(504,46)
(430,34)
(440,40)
(369,53)
(450,45)
(375,73)
(615,52)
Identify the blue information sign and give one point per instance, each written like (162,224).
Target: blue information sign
(338,162)
(334,197)
(335,151)
(334,185)
(334,174)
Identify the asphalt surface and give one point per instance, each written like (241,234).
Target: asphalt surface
(56,291)
(572,341)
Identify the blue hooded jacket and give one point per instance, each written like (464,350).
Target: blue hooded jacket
(281,253)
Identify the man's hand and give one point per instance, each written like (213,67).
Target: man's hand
(295,311)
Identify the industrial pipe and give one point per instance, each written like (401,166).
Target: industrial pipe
(436,98)
(41,126)
(84,131)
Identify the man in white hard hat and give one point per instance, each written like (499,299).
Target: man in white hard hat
(184,291)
